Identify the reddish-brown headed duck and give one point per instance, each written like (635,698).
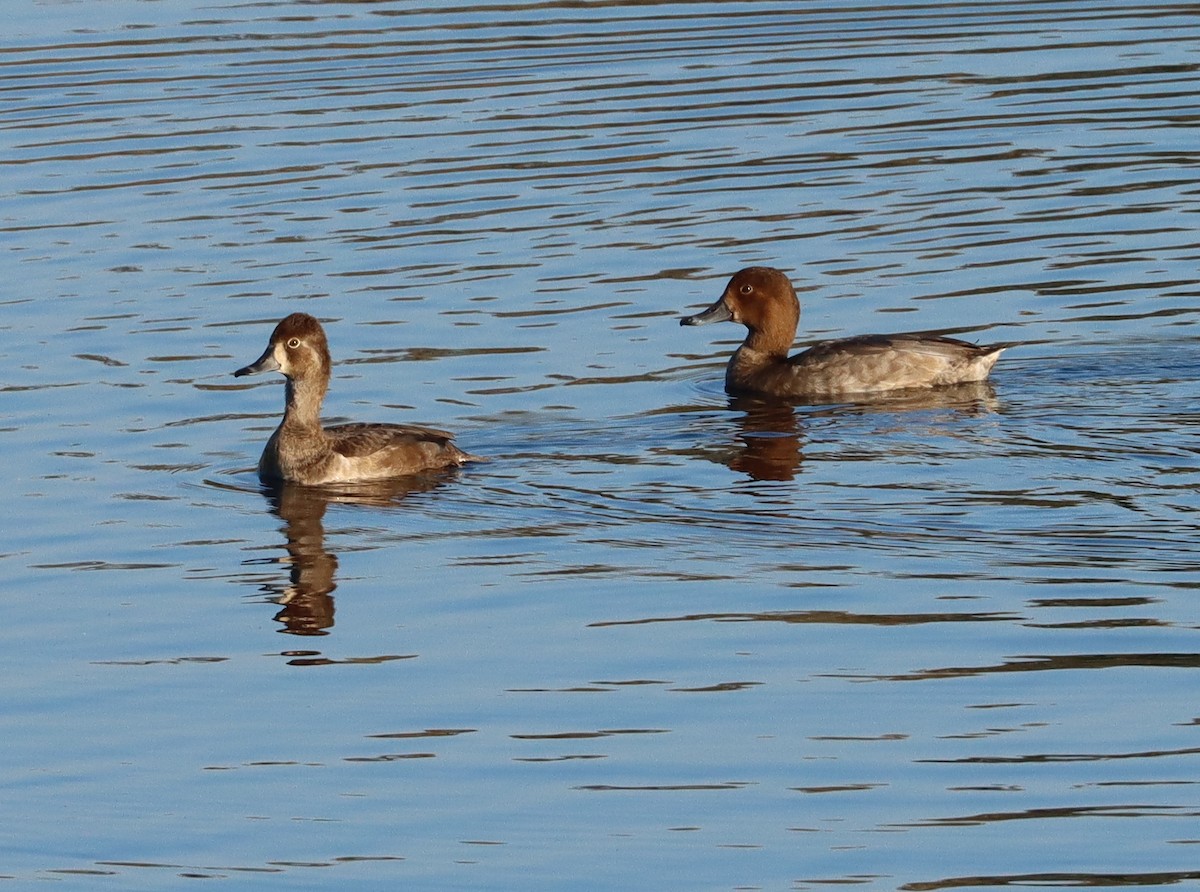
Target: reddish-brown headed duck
(763,300)
(302,451)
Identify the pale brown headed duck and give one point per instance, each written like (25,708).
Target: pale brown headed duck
(302,451)
(763,299)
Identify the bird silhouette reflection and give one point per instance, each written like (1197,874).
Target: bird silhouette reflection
(306,602)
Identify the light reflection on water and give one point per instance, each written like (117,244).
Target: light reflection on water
(925,642)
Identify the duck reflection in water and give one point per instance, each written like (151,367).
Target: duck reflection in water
(771,439)
(771,430)
(306,601)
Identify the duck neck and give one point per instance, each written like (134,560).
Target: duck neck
(303,406)
(763,349)
(770,343)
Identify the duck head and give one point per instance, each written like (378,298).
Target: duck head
(297,349)
(762,299)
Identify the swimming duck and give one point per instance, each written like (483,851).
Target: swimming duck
(302,451)
(763,299)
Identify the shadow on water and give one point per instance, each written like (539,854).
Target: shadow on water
(1071,880)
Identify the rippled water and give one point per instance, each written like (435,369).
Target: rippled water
(661,639)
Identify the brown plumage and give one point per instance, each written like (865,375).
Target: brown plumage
(301,450)
(763,299)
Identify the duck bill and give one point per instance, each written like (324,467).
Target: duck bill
(265,363)
(718,312)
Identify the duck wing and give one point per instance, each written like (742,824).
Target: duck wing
(372,451)
(871,363)
(361,439)
(890,344)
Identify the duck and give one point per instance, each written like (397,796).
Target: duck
(303,451)
(764,300)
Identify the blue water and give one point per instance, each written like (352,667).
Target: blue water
(660,639)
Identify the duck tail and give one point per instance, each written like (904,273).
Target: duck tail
(462,458)
(980,365)
(997,348)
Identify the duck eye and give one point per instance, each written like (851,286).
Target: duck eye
(293,343)
(746,289)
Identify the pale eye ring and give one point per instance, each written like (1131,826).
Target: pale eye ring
(293,343)
(746,289)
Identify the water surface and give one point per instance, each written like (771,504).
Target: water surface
(660,639)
